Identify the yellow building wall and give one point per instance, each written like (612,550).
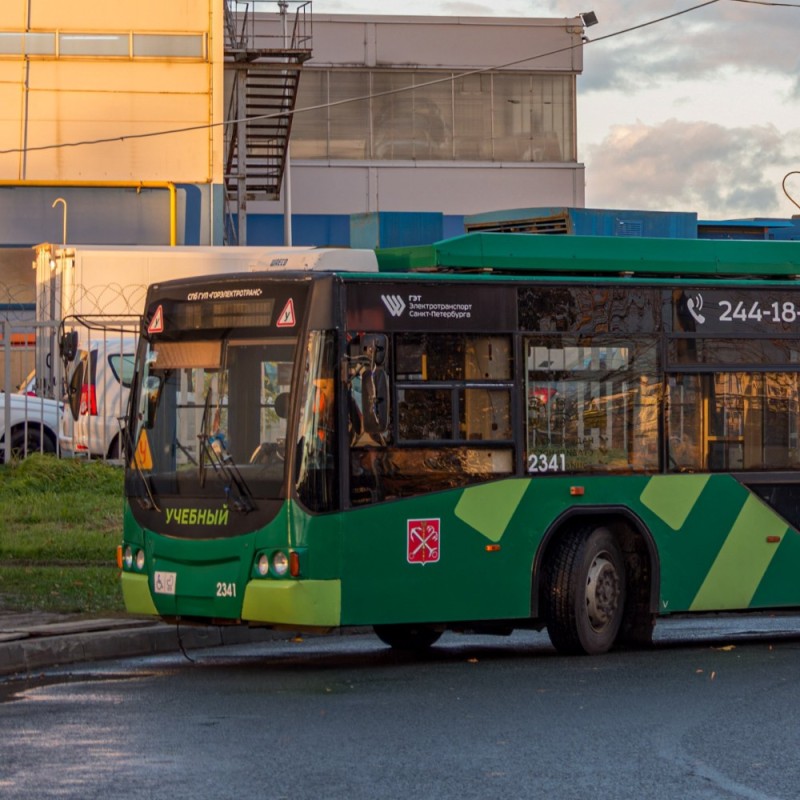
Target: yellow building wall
(54,109)
(90,15)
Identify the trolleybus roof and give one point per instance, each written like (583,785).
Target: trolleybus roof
(521,253)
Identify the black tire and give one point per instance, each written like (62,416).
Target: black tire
(30,439)
(583,596)
(407,637)
(637,631)
(113,448)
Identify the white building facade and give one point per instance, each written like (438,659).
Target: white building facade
(439,115)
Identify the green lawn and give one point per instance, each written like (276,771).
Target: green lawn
(60,523)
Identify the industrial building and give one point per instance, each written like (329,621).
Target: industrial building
(453,116)
(89,92)
(133,114)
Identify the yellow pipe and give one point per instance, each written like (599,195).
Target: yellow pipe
(169,185)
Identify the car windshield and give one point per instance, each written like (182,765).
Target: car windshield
(210,417)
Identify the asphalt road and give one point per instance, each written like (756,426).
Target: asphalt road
(710,712)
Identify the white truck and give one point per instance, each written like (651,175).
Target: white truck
(98,293)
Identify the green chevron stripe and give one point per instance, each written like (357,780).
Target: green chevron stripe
(672,498)
(489,508)
(744,558)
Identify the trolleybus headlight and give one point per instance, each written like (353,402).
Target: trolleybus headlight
(280,563)
(262,565)
(140,559)
(128,557)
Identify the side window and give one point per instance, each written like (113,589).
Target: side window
(684,423)
(450,421)
(729,421)
(453,387)
(122,366)
(592,403)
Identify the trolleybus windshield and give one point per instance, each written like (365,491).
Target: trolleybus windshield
(190,440)
(210,400)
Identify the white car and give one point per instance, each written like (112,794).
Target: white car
(98,386)
(33,425)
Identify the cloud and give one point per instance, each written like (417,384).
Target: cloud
(457,9)
(694,45)
(442,8)
(689,166)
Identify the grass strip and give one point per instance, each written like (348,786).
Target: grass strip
(87,590)
(61,523)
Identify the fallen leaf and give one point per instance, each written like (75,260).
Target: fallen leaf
(726,647)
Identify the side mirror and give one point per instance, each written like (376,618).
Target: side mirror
(124,439)
(68,346)
(75,389)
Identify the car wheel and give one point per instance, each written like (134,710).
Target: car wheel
(30,439)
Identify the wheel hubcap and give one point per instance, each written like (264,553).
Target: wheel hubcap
(602,591)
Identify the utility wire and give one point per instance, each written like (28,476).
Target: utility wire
(447,79)
(766,3)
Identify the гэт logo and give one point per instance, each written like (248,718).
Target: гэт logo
(394,303)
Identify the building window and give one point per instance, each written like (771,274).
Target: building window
(152,45)
(11,43)
(104,45)
(415,124)
(348,124)
(35,44)
(93,44)
(519,117)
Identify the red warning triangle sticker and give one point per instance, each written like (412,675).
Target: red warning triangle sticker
(286,319)
(157,322)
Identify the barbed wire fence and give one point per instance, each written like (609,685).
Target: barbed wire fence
(112,300)
(17,301)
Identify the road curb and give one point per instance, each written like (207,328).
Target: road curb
(35,650)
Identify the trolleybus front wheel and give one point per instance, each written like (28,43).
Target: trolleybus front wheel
(407,637)
(584,591)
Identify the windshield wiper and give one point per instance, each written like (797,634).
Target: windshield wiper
(237,491)
(203,440)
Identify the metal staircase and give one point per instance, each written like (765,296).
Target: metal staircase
(265,69)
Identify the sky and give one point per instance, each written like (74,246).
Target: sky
(700,112)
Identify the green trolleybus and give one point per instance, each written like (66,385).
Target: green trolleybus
(497,431)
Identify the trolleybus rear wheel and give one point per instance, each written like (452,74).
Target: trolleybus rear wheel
(407,637)
(584,591)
